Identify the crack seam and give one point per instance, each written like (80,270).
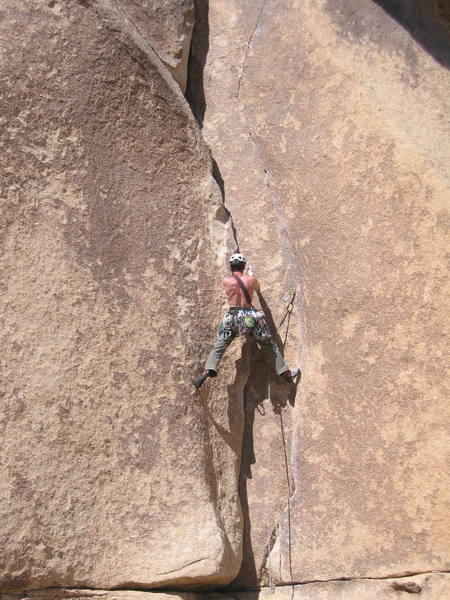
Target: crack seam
(367,578)
(247,50)
(130,20)
(290,256)
(34,592)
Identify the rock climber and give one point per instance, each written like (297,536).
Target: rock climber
(241,319)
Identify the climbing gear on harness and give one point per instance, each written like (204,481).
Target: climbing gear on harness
(237,258)
(244,321)
(241,321)
(200,379)
(291,375)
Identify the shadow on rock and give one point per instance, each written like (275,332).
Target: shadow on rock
(195,94)
(428,21)
(262,384)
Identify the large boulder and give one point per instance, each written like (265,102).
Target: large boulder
(113,471)
(328,124)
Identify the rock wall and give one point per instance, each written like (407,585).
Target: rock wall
(328,124)
(432,586)
(328,131)
(113,235)
(165,25)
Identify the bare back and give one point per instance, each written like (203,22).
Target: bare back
(235,295)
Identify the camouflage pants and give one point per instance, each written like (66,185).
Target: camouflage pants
(245,322)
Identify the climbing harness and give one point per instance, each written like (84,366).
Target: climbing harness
(244,321)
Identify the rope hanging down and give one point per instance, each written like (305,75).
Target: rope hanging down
(270,529)
(270,496)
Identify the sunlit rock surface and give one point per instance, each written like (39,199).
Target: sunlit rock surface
(113,237)
(432,586)
(328,122)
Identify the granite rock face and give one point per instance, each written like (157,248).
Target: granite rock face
(113,236)
(432,586)
(328,124)
(166,25)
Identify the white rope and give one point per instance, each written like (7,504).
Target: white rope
(270,525)
(270,495)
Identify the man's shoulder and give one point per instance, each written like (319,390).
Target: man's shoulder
(250,278)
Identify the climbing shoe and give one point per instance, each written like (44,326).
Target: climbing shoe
(200,379)
(291,375)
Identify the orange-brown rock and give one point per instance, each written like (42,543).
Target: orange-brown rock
(165,25)
(113,234)
(432,586)
(327,120)
(328,124)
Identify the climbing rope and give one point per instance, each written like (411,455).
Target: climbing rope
(270,495)
(290,295)
(288,311)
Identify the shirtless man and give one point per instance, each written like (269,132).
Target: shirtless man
(242,318)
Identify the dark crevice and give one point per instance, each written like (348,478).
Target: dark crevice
(227,214)
(195,94)
(400,585)
(428,21)
(218,177)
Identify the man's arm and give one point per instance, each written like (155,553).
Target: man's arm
(256,285)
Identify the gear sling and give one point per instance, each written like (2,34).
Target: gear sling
(245,321)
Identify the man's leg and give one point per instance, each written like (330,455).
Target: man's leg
(213,359)
(217,352)
(272,352)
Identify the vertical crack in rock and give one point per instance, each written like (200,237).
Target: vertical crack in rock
(292,262)
(198,51)
(287,246)
(195,96)
(196,100)
(275,537)
(247,50)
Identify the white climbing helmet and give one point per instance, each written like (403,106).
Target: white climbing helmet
(237,258)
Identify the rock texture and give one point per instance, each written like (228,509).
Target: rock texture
(432,586)
(327,121)
(166,25)
(112,242)
(328,124)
